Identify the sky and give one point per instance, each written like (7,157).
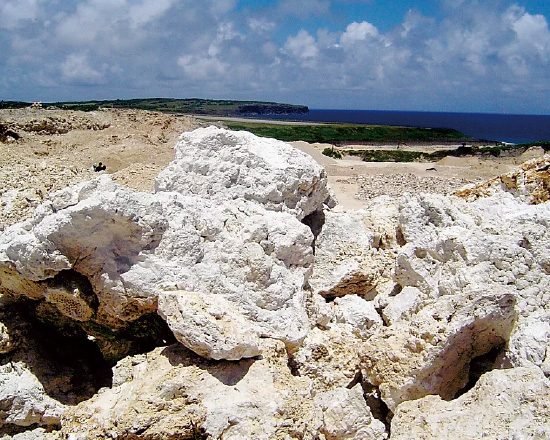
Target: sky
(441,55)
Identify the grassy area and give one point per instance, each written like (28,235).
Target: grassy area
(348,133)
(419,156)
(172,105)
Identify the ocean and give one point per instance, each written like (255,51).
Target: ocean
(515,129)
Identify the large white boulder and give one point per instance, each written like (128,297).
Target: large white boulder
(458,247)
(431,353)
(102,253)
(221,165)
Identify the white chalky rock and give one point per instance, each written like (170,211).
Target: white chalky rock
(355,311)
(401,305)
(23,400)
(458,247)
(349,256)
(209,325)
(346,415)
(171,393)
(431,352)
(504,404)
(221,165)
(125,247)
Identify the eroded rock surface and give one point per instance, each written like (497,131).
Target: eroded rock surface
(503,404)
(224,165)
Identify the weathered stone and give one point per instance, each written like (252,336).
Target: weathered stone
(23,399)
(358,313)
(431,352)
(172,393)
(456,247)
(142,244)
(402,305)
(351,257)
(223,165)
(504,404)
(346,415)
(209,325)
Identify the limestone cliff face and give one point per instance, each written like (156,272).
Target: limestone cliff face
(233,303)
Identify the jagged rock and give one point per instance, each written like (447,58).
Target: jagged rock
(222,165)
(209,325)
(346,416)
(431,352)
(328,357)
(504,404)
(351,258)
(459,247)
(530,183)
(358,313)
(402,305)
(23,400)
(172,393)
(138,245)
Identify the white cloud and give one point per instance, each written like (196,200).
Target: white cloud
(13,12)
(198,67)
(358,32)
(76,69)
(302,46)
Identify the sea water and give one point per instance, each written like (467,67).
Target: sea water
(493,127)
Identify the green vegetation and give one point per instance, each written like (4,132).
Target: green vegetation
(187,106)
(348,133)
(332,152)
(419,156)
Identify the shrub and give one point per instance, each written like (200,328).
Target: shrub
(332,152)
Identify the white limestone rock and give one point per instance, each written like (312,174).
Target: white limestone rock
(170,391)
(329,357)
(221,165)
(403,304)
(358,313)
(351,256)
(346,415)
(456,247)
(209,325)
(431,352)
(504,404)
(137,245)
(24,401)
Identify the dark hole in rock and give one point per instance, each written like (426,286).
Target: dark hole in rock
(400,237)
(9,430)
(378,407)
(479,366)
(315,221)
(70,367)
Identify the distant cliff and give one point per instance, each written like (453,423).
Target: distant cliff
(172,105)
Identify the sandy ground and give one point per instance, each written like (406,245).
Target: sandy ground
(356,182)
(57,148)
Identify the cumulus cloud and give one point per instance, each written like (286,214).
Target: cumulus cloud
(217,48)
(302,46)
(76,69)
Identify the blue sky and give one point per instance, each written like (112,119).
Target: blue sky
(439,55)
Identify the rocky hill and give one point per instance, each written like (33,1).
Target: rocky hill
(233,302)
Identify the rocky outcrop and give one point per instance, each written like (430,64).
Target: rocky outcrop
(431,353)
(228,305)
(503,404)
(530,183)
(226,165)
(354,253)
(140,245)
